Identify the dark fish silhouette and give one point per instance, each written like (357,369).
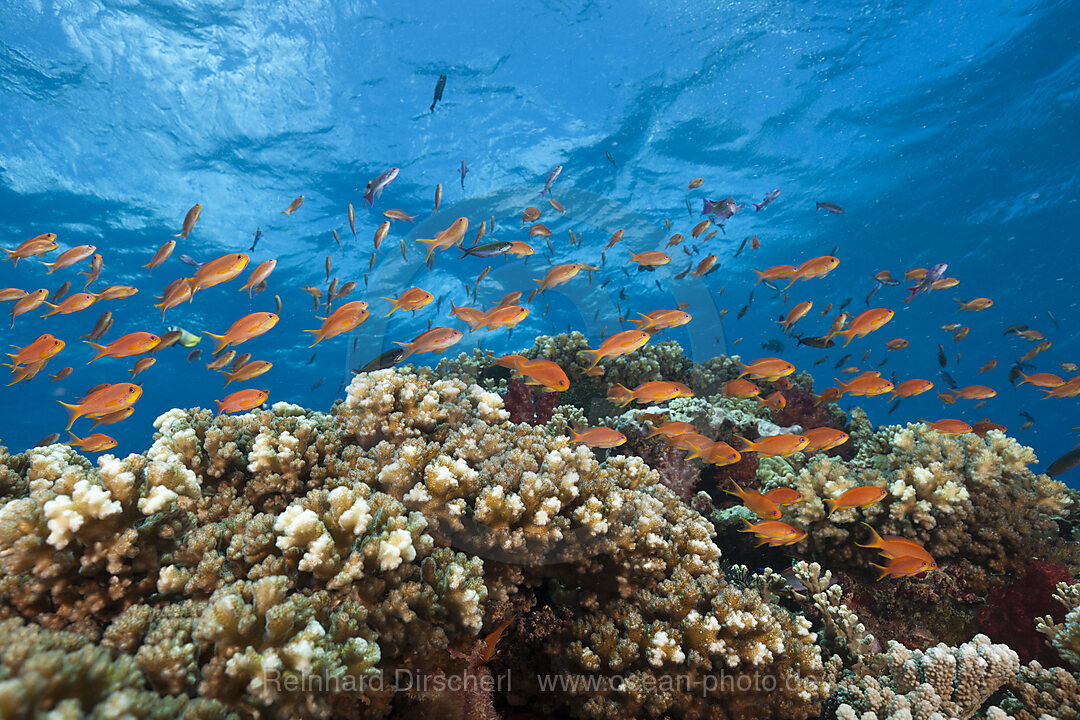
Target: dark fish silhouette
(941,359)
(1064,463)
(438,91)
(611,160)
(258,237)
(386,360)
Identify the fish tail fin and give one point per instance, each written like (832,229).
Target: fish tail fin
(593,356)
(575,436)
(848,335)
(220,406)
(407,353)
(76,438)
(219,342)
(318,340)
(101,350)
(74,411)
(834,505)
(738,491)
(747,444)
(884,571)
(749,526)
(877,540)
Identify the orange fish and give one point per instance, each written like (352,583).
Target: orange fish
(244,329)
(689,442)
(435,340)
(784,496)
(190,219)
(718,453)
(975,392)
(559,274)
(741,389)
(161,255)
(395,214)
(104,400)
(650,392)
(43,348)
(775,445)
(598,437)
(113,417)
(474,316)
(142,364)
(72,304)
(28,302)
(944,283)
(258,275)
(293,206)
(1069,389)
(544,373)
(760,505)
(380,234)
(897,344)
(828,395)
(894,546)
(671,429)
(838,324)
(412,299)
(774,532)
(540,229)
(916,273)
(795,314)
(621,343)
(1041,347)
(650,258)
(513,362)
(707,263)
(867,322)
(70,257)
(116,292)
(1042,380)
(774,401)
(862,496)
(674,240)
(814,268)
(242,400)
(696,183)
(447,238)
(615,238)
(905,566)
(974,305)
(508,316)
(700,228)
(96,264)
(218,271)
(179,291)
(824,438)
(985,425)
(135,343)
(770,369)
(247,371)
(911,388)
(867,384)
(520,249)
(988,367)
(530,214)
(776,272)
(98,442)
(950,427)
(1033,335)
(662,319)
(9,294)
(37,245)
(345,319)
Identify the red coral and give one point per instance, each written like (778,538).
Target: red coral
(1009,614)
(527,405)
(801,410)
(676,472)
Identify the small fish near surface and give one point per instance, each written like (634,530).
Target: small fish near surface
(439,85)
(551,178)
(375,187)
(464,170)
(769,197)
(832,208)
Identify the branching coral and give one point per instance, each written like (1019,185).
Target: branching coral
(942,682)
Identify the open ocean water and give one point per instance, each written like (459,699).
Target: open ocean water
(949,132)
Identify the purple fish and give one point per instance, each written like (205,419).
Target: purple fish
(464,170)
(935,274)
(375,187)
(769,197)
(723,208)
(552,176)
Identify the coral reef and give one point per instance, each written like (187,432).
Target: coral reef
(1010,612)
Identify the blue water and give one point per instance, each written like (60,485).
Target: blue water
(948,131)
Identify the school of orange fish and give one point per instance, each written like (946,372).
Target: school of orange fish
(114,402)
